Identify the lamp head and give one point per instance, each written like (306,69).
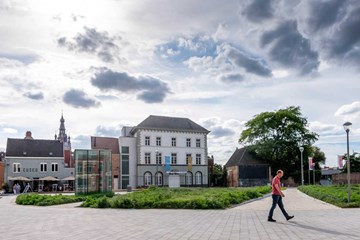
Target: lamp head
(301,149)
(347,126)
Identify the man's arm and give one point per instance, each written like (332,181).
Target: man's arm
(278,188)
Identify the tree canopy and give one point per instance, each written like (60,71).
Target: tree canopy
(354,162)
(276,137)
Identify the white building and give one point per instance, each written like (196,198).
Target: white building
(144,148)
(32,161)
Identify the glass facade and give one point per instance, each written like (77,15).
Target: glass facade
(92,171)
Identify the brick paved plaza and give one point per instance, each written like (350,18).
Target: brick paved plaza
(313,220)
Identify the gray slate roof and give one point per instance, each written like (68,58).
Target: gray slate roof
(170,123)
(243,157)
(330,171)
(33,148)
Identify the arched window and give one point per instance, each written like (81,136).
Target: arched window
(189,178)
(159,179)
(147,179)
(198,178)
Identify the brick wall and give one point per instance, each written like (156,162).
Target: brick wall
(342,178)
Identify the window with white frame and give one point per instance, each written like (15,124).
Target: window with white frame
(188,158)
(147,179)
(158,141)
(158,158)
(173,158)
(198,158)
(188,142)
(147,140)
(43,167)
(198,143)
(147,158)
(16,167)
(173,142)
(54,167)
(198,178)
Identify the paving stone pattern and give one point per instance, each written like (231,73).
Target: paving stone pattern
(313,220)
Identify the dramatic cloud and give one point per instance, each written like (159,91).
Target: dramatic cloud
(248,62)
(350,109)
(289,48)
(258,10)
(34,96)
(79,99)
(231,78)
(94,42)
(230,64)
(344,44)
(151,90)
(325,13)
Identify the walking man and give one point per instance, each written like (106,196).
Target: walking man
(277,196)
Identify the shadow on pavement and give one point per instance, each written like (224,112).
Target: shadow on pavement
(318,229)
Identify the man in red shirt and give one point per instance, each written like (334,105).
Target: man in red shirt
(277,196)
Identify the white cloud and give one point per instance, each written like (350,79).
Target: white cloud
(10,130)
(325,129)
(200,63)
(351,110)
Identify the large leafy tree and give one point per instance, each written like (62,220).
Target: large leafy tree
(218,178)
(354,162)
(275,137)
(318,156)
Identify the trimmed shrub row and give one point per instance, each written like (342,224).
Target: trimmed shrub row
(180,198)
(335,194)
(48,200)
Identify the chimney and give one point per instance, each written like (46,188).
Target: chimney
(28,135)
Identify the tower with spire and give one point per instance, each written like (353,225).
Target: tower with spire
(63,138)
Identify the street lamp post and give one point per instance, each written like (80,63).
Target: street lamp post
(347,126)
(301,148)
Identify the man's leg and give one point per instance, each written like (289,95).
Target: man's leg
(281,206)
(275,199)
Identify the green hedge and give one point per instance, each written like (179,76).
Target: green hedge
(335,194)
(175,198)
(48,200)
(181,198)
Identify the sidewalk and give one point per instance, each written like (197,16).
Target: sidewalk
(294,200)
(313,220)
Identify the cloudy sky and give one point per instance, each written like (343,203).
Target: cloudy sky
(110,63)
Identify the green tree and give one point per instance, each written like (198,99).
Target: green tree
(354,162)
(275,137)
(318,156)
(217,179)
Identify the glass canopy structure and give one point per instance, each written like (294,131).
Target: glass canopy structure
(92,171)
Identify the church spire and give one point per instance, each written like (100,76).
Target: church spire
(62,137)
